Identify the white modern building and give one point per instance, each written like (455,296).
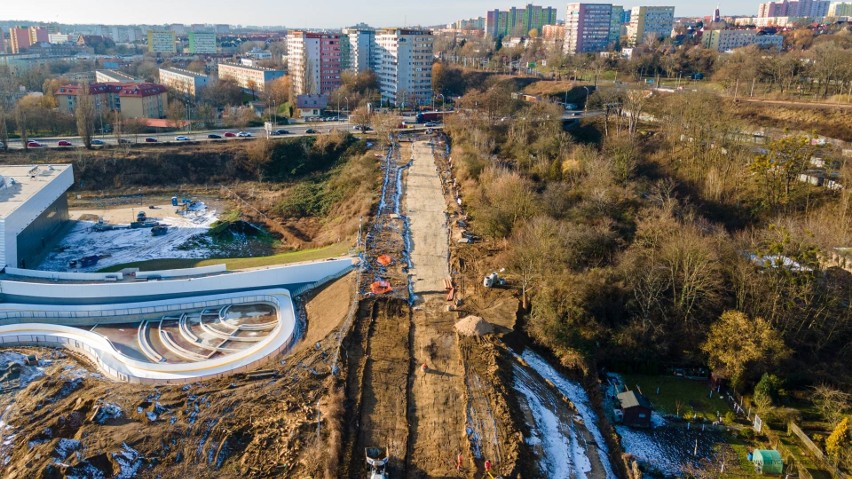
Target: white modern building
(649,22)
(33,207)
(187,82)
(249,78)
(403,63)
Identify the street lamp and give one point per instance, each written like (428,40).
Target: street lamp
(347,107)
(586,105)
(443,102)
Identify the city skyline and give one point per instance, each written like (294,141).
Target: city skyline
(320,14)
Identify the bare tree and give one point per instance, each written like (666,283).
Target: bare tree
(361,118)
(85,115)
(832,403)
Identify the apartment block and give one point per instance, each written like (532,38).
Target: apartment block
(403,63)
(518,21)
(795,8)
(249,78)
(187,82)
(114,76)
(356,49)
(131,100)
(840,9)
(202,43)
(649,22)
(616,24)
(727,40)
(588,27)
(21,38)
(162,41)
(314,61)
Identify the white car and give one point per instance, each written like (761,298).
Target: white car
(244,134)
(181,138)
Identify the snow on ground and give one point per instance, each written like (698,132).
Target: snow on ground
(575,392)
(560,452)
(27,373)
(129,461)
(121,246)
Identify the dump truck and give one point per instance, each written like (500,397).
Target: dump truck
(377,462)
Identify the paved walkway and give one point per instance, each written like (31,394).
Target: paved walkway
(426,210)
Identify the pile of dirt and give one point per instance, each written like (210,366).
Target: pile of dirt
(473,326)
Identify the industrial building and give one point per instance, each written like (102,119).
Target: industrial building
(33,208)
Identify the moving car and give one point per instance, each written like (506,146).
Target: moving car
(124,141)
(361,128)
(229,134)
(33,144)
(244,134)
(97,142)
(431,124)
(214,136)
(64,143)
(280,132)
(310,131)
(181,138)
(150,140)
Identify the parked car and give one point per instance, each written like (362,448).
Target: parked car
(361,128)
(310,131)
(63,143)
(214,136)
(150,140)
(244,134)
(97,142)
(229,134)
(33,144)
(181,138)
(431,124)
(280,132)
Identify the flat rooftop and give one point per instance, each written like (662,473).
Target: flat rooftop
(19,183)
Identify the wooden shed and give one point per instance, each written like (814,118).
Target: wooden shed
(635,408)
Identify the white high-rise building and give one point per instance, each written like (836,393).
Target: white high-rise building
(646,22)
(313,62)
(403,64)
(356,54)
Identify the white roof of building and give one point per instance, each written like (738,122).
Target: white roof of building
(19,183)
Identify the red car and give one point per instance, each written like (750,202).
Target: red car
(33,144)
(229,134)
(64,143)
(150,140)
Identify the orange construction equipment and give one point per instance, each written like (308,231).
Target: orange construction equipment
(381,287)
(384,260)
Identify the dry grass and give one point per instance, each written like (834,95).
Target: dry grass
(830,122)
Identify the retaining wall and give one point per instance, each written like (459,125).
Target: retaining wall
(182,273)
(63,276)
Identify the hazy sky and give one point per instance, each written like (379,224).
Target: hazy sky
(307,13)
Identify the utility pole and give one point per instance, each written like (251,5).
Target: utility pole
(753,81)
(736,90)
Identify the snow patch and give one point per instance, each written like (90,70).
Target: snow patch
(574,392)
(107,412)
(129,461)
(119,246)
(65,447)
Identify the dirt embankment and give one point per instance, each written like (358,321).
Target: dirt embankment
(829,122)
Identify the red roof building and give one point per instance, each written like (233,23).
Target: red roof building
(132,100)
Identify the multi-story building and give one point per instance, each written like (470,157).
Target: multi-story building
(314,62)
(114,76)
(588,27)
(649,22)
(2,42)
(795,8)
(616,24)
(131,100)
(356,49)
(202,42)
(840,9)
(727,40)
(187,82)
(553,34)
(403,63)
(518,21)
(162,41)
(21,38)
(477,23)
(252,78)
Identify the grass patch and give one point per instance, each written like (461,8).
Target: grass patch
(693,396)
(334,250)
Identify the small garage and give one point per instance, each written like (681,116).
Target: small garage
(767,461)
(635,408)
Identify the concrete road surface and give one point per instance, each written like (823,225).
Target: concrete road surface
(425,205)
